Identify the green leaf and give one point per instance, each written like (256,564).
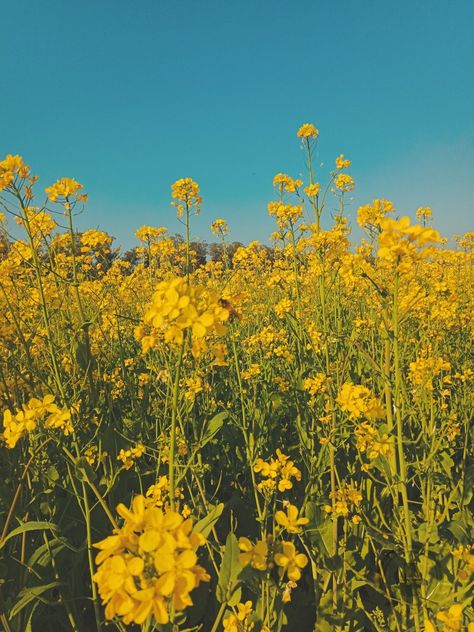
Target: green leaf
(27,595)
(212,427)
(427,533)
(205,525)
(42,555)
(229,571)
(33,525)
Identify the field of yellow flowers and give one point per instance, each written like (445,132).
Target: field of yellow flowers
(275,438)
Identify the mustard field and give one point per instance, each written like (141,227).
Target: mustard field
(265,438)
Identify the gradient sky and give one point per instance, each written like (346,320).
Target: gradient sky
(129,95)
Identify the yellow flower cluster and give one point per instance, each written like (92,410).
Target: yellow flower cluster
(312,190)
(466,556)
(92,239)
(178,306)
(150,233)
(286,183)
(317,384)
(359,401)
(128,456)
(283,307)
(264,553)
(371,215)
(253,371)
(424,213)
(27,418)
(399,242)
(370,441)
(342,162)
(219,228)
(158,495)
(149,565)
(10,167)
(186,191)
(39,223)
(277,472)
(285,214)
(424,370)
(452,620)
(193,387)
(308,131)
(240,621)
(66,188)
(345,498)
(344,182)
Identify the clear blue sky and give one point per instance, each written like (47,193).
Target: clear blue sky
(129,95)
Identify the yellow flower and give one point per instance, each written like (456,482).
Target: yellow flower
(451,618)
(177,306)
(287,183)
(312,189)
(424,213)
(344,182)
(158,549)
(371,215)
(65,188)
(289,561)
(219,228)
(359,401)
(254,554)
(342,162)
(290,520)
(308,130)
(11,167)
(186,191)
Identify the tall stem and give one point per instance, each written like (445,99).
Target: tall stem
(174,417)
(408,541)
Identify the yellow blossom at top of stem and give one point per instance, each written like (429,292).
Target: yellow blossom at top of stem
(26,419)
(285,214)
(400,243)
(424,213)
(148,567)
(344,182)
(287,183)
(219,228)
(312,190)
(281,469)
(186,191)
(150,233)
(308,130)
(372,214)
(342,162)
(10,167)
(66,188)
(177,306)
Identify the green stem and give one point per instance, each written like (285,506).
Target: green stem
(408,544)
(174,416)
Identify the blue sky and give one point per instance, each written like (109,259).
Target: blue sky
(129,95)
